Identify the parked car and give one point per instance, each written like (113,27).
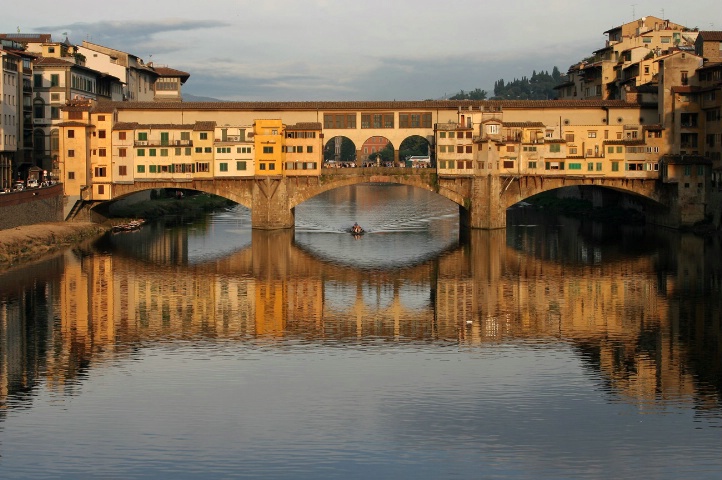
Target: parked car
(32,183)
(19,186)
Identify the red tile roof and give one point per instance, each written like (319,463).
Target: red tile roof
(711,35)
(203,126)
(488,105)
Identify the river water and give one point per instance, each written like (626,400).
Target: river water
(556,348)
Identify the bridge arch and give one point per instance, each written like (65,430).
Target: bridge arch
(376,149)
(340,149)
(426,181)
(415,145)
(517,189)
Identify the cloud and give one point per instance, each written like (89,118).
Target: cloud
(132,36)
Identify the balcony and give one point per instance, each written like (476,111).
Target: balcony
(232,139)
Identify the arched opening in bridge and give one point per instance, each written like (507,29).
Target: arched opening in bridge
(591,202)
(416,151)
(376,151)
(339,149)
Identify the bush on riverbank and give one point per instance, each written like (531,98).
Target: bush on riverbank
(163,203)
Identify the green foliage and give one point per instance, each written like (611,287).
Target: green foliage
(347,154)
(540,86)
(414,145)
(476,94)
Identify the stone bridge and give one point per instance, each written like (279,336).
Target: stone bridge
(482,200)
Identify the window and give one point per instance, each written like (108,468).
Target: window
(143,136)
(492,129)
(309,149)
(101,133)
(141,169)
(101,189)
(37,80)
(163,152)
(204,136)
(208,150)
(99,172)
(54,80)
(203,167)
(71,175)
(141,152)
(555,148)
(615,166)
(152,169)
(223,166)
(151,152)
(101,152)
(71,133)
(592,134)
(262,166)
(122,170)
(267,149)
(271,166)
(121,135)
(71,153)
(199,149)
(55,113)
(240,165)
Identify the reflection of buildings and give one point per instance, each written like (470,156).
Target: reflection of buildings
(621,315)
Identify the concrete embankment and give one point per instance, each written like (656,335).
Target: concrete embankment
(33,242)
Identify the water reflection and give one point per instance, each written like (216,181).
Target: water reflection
(653,333)
(464,351)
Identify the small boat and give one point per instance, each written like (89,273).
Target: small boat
(128,227)
(356,230)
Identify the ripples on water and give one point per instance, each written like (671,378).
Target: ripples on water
(211,351)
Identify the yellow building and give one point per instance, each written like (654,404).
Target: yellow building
(269,143)
(233,152)
(74,161)
(304,144)
(203,149)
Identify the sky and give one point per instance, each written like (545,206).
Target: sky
(335,50)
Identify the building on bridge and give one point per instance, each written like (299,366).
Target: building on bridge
(177,145)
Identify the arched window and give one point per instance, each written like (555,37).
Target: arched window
(38,108)
(54,142)
(39,142)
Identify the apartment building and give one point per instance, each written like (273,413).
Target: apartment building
(11,115)
(624,61)
(304,147)
(137,78)
(234,152)
(269,143)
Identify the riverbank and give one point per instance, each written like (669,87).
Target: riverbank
(32,242)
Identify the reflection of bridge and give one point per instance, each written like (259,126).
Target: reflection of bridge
(482,200)
(481,292)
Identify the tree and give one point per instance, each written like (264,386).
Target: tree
(476,94)
(347,153)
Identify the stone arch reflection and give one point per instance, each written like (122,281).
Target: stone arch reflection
(624,322)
